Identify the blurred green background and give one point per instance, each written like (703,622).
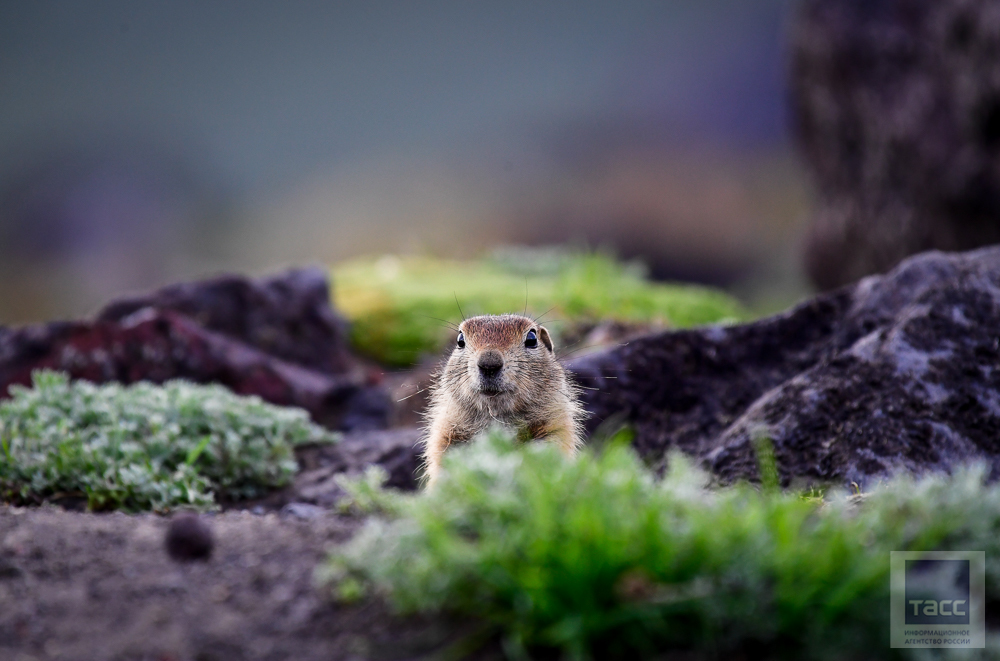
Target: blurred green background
(143,143)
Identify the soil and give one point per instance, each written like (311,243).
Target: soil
(80,586)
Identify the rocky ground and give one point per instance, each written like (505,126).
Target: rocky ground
(75,585)
(897,372)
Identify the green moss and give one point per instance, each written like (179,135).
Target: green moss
(599,559)
(400,307)
(144,446)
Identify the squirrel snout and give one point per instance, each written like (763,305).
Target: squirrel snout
(490,364)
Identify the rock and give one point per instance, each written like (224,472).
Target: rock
(189,538)
(287,316)
(897,111)
(396,451)
(899,372)
(250,342)
(315,488)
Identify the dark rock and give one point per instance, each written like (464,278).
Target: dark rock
(897,110)
(287,316)
(898,372)
(189,538)
(396,451)
(316,489)
(154,344)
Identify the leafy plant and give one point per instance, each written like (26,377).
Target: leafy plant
(144,446)
(599,559)
(400,306)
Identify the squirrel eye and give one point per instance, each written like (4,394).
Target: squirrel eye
(531,341)
(461,340)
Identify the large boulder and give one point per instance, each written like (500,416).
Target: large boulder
(898,372)
(897,111)
(277,338)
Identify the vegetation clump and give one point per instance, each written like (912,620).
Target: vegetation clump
(597,558)
(144,446)
(398,306)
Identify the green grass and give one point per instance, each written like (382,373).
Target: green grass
(144,447)
(399,306)
(598,559)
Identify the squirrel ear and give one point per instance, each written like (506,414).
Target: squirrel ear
(543,335)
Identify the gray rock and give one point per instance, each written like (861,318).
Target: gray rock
(898,372)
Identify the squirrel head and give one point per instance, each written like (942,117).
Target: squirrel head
(501,359)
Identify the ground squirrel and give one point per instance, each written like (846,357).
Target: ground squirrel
(503,370)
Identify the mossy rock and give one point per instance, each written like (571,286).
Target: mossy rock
(401,307)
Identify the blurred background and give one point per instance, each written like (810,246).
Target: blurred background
(143,143)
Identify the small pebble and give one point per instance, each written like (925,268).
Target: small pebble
(189,538)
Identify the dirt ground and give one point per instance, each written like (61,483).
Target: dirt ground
(87,587)
(80,586)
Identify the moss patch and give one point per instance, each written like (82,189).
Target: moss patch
(400,306)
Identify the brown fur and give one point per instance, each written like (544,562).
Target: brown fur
(530,394)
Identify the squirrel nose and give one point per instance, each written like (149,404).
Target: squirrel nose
(490,363)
